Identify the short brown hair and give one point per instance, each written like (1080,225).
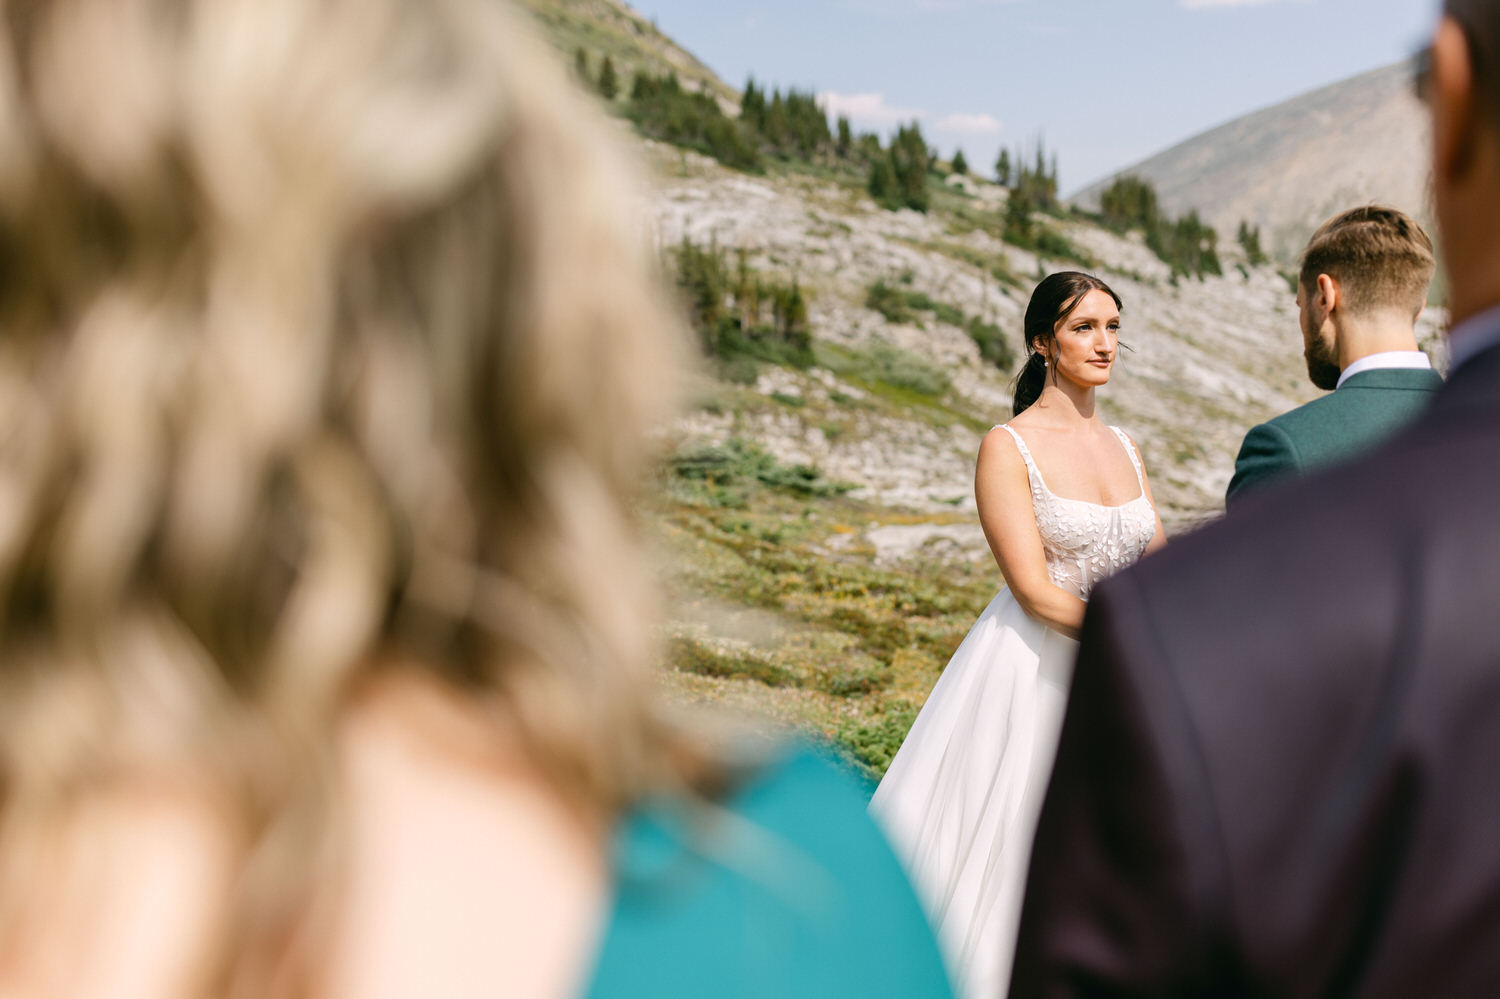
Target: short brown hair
(1381,258)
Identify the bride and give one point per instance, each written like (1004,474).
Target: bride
(1064,502)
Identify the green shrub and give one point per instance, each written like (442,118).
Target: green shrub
(739,369)
(950,314)
(893,366)
(993,346)
(900,306)
(874,744)
(888,301)
(726,472)
(841,681)
(691,656)
(728,308)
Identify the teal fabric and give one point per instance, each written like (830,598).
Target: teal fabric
(786,890)
(1361,413)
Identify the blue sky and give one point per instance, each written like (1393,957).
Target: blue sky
(1105,82)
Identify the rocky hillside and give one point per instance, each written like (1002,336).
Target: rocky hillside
(1208,358)
(1288,167)
(606,27)
(818,520)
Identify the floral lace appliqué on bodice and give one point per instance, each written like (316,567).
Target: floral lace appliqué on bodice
(1086,542)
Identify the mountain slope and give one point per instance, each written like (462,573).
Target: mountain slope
(1288,167)
(608,27)
(817,521)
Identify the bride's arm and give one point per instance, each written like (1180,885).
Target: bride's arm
(1003,493)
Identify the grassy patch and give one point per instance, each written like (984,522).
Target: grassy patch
(725,474)
(898,374)
(993,264)
(900,305)
(692,656)
(873,743)
(861,643)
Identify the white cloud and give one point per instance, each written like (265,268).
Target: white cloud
(966,123)
(871,111)
(867,109)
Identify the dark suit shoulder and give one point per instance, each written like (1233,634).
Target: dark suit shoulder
(1317,640)
(1276,775)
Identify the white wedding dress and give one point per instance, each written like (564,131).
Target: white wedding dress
(960,800)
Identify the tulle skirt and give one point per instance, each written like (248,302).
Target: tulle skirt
(960,800)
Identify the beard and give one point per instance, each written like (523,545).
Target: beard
(1322,364)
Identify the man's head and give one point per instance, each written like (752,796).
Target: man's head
(1460,81)
(1366,268)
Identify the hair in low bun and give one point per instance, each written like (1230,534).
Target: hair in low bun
(1030,381)
(1053,300)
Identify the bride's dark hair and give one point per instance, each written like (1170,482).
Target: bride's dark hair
(1053,300)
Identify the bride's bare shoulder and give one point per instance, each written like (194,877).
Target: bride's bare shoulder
(999,459)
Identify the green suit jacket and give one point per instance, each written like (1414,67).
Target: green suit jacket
(1365,410)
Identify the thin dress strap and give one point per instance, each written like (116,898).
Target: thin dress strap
(1039,490)
(1134,460)
(1021,445)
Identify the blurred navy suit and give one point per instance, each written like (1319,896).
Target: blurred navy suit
(1280,769)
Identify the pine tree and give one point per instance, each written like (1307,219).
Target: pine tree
(747,292)
(1019,228)
(883,186)
(1129,203)
(609,85)
(753,105)
(1002,167)
(846,137)
(960,165)
(910,159)
(581,63)
(1250,239)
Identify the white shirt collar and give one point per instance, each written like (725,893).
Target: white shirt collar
(1473,336)
(1385,359)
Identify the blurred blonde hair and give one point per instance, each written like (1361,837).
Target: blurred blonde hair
(326,340)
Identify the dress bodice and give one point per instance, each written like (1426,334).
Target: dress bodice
(1086,542)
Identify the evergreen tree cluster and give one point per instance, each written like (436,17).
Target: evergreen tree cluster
(1187,244)
(737,312)
(898,178)
(606,84)
(663,109)
(1033,189)
(1249,238)
(1036,184)
(791,126)
(1129,203)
